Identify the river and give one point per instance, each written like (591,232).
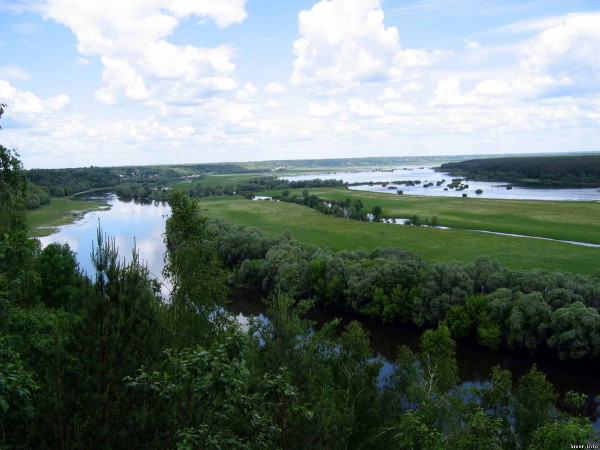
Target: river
(426,175)
(141,224)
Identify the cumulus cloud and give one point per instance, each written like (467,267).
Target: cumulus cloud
(361,108)
(566,51)
(130,39)
(390,93)
(448,93)
(345,42)
(399,108)
(274,88)
(562,59)
(26,102)
(323,109)
(246,93)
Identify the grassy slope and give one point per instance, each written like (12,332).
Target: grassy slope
(574,221)
(59,211)
(311,227)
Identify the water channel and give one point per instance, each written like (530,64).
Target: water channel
(141,224)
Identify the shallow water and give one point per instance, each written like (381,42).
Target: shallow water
(494,190)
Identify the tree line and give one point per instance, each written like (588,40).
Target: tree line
(563,169)
(255,185)
(103,361)
(528,310)
(347,208)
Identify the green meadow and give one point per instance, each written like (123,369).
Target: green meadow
(44,220)
(311,227)
(217,180)
(566,220)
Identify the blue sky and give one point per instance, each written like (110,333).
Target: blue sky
(174,81)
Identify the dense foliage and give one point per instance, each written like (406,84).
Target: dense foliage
(258,184)
(572,169)
(529,310)
(105,362)
(61,182)
(348,208)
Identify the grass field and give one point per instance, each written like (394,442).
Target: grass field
(218,180)
(45,220)
(574,221)
(312,227)
(233,179)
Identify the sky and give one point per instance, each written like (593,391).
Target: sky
(115,82)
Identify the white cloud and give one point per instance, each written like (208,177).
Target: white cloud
(412,87)
(563,59)
(236,113)
(120,76)
(12,72)
(532,25)
(344,43)
(361,108)
(247,92)
(26,102)
(323,110)
(274,104)
(569,50)
(448,93)
(129,37)
(399,108)
(390,94)
(274,88)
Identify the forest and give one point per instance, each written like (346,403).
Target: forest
(524,310)
(575,170)
(105,362)
(257,184)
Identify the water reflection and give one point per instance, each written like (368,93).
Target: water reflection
(496,190)
(131,223)
(475,363)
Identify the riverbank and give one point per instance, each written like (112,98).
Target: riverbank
(46,219)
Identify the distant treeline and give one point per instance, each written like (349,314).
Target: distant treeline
(259,184)
(222,168)
(61,182)
(571,169)
(531,310)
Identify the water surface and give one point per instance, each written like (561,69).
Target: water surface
(495,190)
(131,223)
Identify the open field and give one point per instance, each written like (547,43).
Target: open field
(235,178)
(218,180)
(566,220)
(44,220)
(312,227)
